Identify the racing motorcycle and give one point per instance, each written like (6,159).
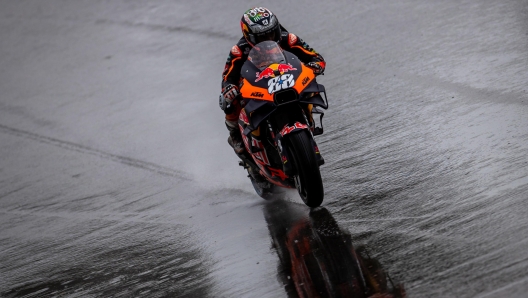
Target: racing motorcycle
(280,97)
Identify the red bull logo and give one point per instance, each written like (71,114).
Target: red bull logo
(269,72)
(288,129)
(266,73)
(285,68)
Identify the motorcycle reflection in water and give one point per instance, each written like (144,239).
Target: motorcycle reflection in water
(317,256)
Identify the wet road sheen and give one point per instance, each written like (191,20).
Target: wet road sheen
(116,179)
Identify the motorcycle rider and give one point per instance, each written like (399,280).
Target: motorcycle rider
(258,24)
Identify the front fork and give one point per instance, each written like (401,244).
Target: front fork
(314,129)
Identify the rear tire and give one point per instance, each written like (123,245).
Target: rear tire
(308,178)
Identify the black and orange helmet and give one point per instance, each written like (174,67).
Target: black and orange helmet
(259,24)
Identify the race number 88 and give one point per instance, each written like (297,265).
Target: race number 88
(280,82)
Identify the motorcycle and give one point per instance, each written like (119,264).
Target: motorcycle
(280,97)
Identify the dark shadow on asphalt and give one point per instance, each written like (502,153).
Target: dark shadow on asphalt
(317,258)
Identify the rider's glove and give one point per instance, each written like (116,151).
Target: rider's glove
(229,93)
(318,67)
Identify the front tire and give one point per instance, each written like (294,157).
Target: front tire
(308,177)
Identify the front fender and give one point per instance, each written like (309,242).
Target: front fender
(295,127)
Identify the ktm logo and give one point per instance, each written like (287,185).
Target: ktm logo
(305,80)
(257,94)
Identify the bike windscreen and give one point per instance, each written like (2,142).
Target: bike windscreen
(266,53)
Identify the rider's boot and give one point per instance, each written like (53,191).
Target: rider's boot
(235,137)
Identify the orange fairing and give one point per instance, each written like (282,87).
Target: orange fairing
(307,75)
(302,81)
(250,91)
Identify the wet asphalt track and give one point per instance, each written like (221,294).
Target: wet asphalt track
(116,180)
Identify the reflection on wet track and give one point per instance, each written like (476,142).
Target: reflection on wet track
(318,258)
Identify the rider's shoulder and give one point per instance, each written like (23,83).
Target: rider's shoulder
(241,48)
(288,39)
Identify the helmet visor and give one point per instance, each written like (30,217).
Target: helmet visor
(273,35)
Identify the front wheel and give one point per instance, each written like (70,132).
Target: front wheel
(308,177)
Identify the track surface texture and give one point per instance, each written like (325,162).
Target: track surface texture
(116,179)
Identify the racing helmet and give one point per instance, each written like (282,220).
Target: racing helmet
(259,24)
